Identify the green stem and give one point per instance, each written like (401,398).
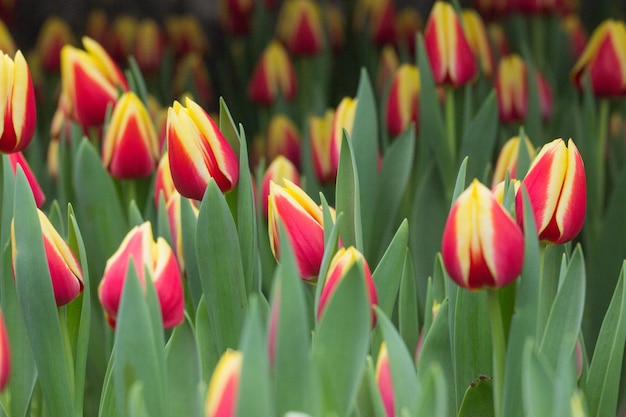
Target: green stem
(450,122)
(498,349)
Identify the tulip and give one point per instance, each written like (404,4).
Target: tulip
(557,189)
(90,81)
(482,245)
(17,158)
(408,23)
(302,220)
(507,159)
(224,385)
(336,26)
(341,263)
(18,107)
(198,151)
(97,26)
(280,169)
(387,66)
(158,259)
(576,33)
(7,44)
(5,355)
(498,39)
(478,40)
(163,183)
(186,35)
(191,76)
(149,46)
(604,60)
(449,53)
(320,129)
(236,16)
(53,35)
(130,144)
(512,89)
(545,96)
(299,27)
(344,119)
(379,15)
(121,38)
(283,138)
(384,380)
(403,99)
(273,76)
(65,271)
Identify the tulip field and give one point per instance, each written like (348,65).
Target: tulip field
(330,209)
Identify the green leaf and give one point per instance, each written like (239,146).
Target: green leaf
(479,137)
(108,402)
(342,341)
(36,299)
(388,272)
(478,399)
(228,127)
(330,249)
(408,308)
(188,227)
(537,381)
(523,159)
(532,122)
(347,198)
(432,398)
(135,218)
(369,402)
(603,379)
(209,355)
(459,185)
(219,257)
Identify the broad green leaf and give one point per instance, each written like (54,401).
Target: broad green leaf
(188,222)
(523,160)
(408,306)
(209,355)
(478,399)
(432,398)
(107,406)
(8,195)
(549,283)
(228,127)
(135,218)
(388,272)
(479,137)
(330,248)
(538,382)
(347,198)
(136,401)
(219,257)
(460,183)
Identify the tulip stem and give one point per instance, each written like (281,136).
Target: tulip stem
(450,121)
(498,349)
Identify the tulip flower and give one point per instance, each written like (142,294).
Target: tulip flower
(482,245)
(498,39)
(17,158)
(534,7)
(186,35)
(303,223)
(191,76)
(604,60)
(17,108)
(336,26)
(159,260)
(53,35)
(299,27)
(130,144)
(379,16)
(512,89)
(387,66)
(5,355)
(576,33)
(478,40)
(65,271)
(341,263)
(344,119)
(408,22)
(149,46)
(280,169)
(283,138)
(449,53)
(198,151)
(90,81)
(384,380)
(236,16)
(163,183)
(320,129)
(507,158)
(224,385)
(273,76)
(557,188)
(97,26)
(403,99)
(121,37)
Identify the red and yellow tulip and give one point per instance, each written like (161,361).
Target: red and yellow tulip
(384,380)
(53,35)
(5,355)
(299,27)
(403,99)
(221,399)
(17,158)
(507,158)
(478,40)
(273,76)
(283,138)
(320,129)
(343,119)
(280,169)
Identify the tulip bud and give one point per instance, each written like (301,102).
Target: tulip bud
(192,76)
(303,223)
(336,26)
(97,26)
(344,119)
(512,89)
(186,35)
(280,169)
(408,23)
(403,99)
(163,183)
(5,355)
(384,380)
(17,110)
(273,76)
(576,33)
(198,151)
(299,27)
(387,66)
(341,263)
(65,271)
(482,245)
(478,40)
(121,38)
(450,56)
(53,35)
(498,39)
(149,46)
(320,129)
(379,16)
(224,385)
(604,59)
(158,259)
(17,158)
(545,96)
(507,159)
(90,81)
(557,189)
(130,144)
(283,138)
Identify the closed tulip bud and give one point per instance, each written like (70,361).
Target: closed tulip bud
(576,33)
(149,46)
(449,53)
(320,129)
(378,18)
(408,23)
(97,26)
(90,81)
(482,245)
(17,109)
(221,399)
(557,189)
(498,39)
(163,183)
(53,35)
(173,208)
(336,26)
(130,144)
(384,380)
(273,77)
(65,271)
(478,40)
(17,158)
(280,169)
(545,96)
(604,60)
(157,257)
(302,220)
(283,138)
(512,89)
(299,27)
(7,44)
(344,119)
(403,99)
(198,151)
(186,35)
(121,38)
(387,66)
(507,159)
(5,355)
(341,263)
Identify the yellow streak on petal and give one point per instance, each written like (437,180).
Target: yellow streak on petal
(228,367)
(19,95)
(188,134)
(6,80)
(555,177)
(303,200)
(50,234)
(568,186)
